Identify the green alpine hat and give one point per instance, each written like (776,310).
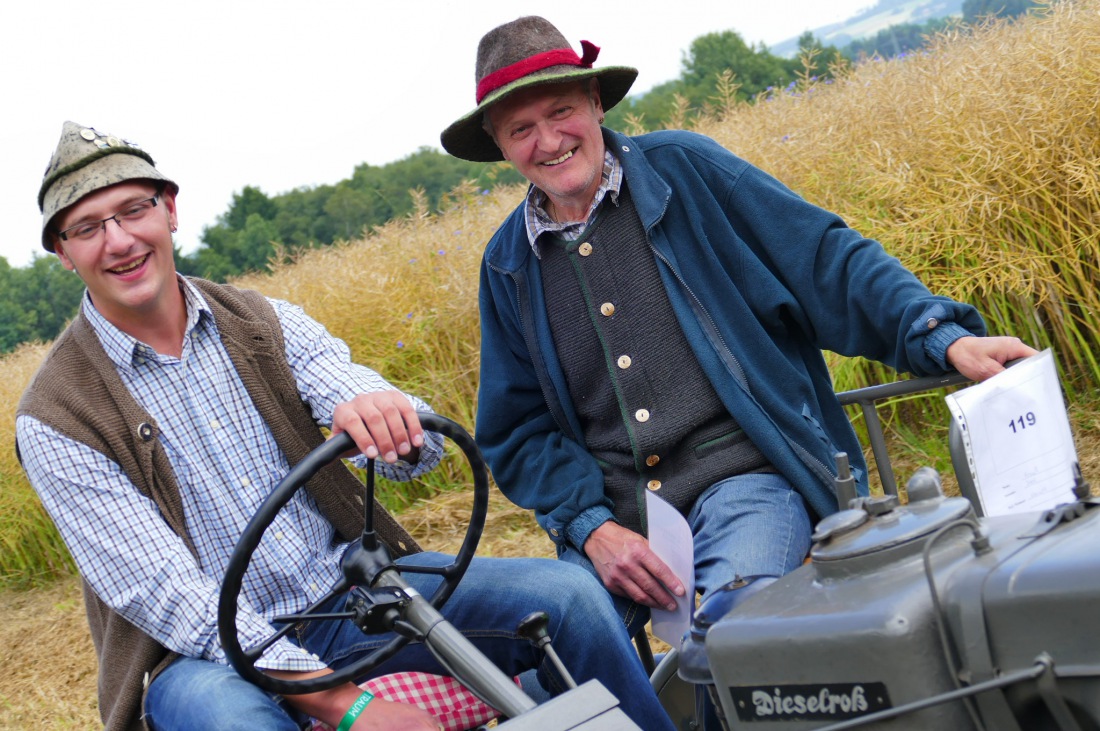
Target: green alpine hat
(520,54)
(85,161)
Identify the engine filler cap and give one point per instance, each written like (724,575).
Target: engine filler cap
(838,523)
(842,536)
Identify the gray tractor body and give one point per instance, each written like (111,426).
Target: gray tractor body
(920,616)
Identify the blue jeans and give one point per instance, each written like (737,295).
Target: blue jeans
(491,599)
(748,525)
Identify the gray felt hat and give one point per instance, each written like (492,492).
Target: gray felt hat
(85,161)
(515,56)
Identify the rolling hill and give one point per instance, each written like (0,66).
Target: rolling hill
(874,19)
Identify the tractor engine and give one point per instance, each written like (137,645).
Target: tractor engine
(919,616)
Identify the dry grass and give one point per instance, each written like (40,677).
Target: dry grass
(977,163)
(30,548)
(49,676)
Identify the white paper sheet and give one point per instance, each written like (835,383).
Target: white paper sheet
(670,538)
(1017,437)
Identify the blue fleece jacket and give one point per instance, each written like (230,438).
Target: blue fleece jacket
(760,280)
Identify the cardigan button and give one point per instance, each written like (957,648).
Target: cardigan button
(642,415)
(145,431)
(554,532)
(654,485)
(585,249)
(607,309)
(624,361)
(652,460)
(932,322)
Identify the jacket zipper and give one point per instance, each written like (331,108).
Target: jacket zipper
(540,369)
(734,365)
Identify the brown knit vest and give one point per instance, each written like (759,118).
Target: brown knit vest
(78,392)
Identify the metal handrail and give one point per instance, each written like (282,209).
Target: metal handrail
(868,396)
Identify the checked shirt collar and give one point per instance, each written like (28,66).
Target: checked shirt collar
(124,350)
(539,222)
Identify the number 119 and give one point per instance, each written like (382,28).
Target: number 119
(1022,422)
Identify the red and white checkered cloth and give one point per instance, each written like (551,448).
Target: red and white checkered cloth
(444,697)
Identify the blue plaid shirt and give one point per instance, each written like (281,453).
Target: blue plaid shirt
(226,462)
(538,220)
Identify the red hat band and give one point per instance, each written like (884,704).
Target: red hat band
(538,62)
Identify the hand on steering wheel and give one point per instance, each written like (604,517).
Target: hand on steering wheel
(363,564)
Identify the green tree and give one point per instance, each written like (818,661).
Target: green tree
(246,203)
(15,325)
(37,301)
(349,210)
(228,252)
(896,40)
(241,240)
(55,293)
(754,68)
(302,221)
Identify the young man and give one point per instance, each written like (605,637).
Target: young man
(652,317)
(162,418)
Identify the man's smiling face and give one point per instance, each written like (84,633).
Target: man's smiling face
(128,271)
(551,133)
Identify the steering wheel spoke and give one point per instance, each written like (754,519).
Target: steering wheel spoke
(294,618)
(362,560)
(444,571)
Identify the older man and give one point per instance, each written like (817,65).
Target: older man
(161,420)
(652,317)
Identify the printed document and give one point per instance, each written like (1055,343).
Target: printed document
(670,538)
(1017,437)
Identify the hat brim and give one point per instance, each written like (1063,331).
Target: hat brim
(467,139)
(106,171)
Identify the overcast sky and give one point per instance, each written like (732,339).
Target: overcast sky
(280,95)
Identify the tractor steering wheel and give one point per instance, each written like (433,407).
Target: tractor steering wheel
(365,561)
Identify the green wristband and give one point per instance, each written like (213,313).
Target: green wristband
(356,708)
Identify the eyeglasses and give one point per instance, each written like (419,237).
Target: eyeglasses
(131,215)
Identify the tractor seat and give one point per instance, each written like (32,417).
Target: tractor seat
(442,696)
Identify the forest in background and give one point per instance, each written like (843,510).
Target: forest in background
(259,230)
